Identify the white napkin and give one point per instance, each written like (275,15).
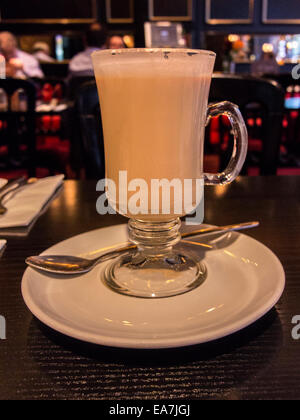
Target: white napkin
(3,182)
(27,203)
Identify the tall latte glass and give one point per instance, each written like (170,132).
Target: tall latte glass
(154,105)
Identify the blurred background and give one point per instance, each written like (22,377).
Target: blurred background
(49,45)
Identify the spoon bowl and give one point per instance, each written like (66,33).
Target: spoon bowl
(60,264)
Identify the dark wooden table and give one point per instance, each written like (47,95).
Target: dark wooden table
(261,362)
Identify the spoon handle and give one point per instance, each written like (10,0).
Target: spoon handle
(221,229)
(114,254)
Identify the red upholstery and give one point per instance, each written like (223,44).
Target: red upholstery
(255,145)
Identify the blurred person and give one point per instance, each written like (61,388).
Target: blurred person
(267,64)
(41,51)
(115,42)
(81,65)
(96,26)
(19,64)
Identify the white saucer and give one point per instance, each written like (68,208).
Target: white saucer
(245,280)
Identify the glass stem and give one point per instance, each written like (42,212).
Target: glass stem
(155,238)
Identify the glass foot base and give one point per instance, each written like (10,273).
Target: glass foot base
(154,276)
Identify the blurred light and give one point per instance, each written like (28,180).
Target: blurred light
(59,47)
(129,41)
(2,67)
(267,48)
(165,24)
(289,45)
(220,190)
(182,42)
(233,38)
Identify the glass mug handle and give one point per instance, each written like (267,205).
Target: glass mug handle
(240,148)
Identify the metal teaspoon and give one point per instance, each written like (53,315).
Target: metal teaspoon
(68,265)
